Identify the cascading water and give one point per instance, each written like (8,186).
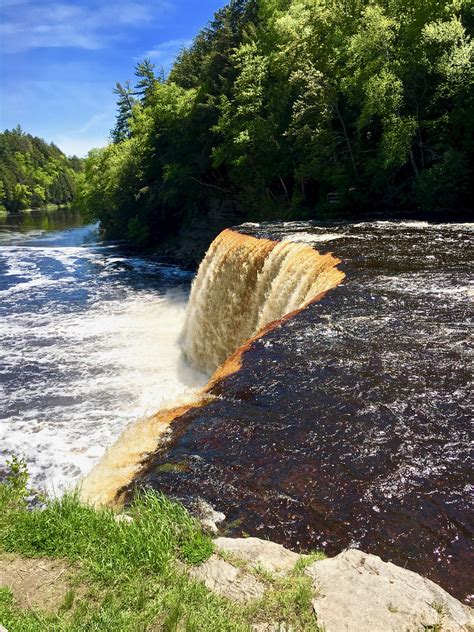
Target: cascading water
(89,342)
(349,425)
(243,284)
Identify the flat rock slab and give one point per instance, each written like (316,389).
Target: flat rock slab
(227,580)
(358,592)
(259,553)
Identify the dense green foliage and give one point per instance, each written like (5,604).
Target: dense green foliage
(129,575)
(289,107)
(34,174)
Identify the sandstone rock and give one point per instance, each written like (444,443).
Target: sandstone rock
(227,580)
(270,556)
(358,592)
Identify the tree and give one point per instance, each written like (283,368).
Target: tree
(34,173)
(145,71)
(278,103)
(125,103)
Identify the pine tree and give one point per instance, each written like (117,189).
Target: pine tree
(125,103)
(145,71)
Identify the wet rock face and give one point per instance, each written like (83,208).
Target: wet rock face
(348,425)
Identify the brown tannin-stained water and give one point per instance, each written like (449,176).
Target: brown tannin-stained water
(348,425)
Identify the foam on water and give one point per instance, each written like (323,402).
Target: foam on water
(88,343)
(311,238)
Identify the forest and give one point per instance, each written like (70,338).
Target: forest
(293,109)
(34,173)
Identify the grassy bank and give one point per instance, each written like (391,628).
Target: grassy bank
(126,574)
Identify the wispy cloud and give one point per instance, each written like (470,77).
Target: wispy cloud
(94,132)
(164,54)
(29,24)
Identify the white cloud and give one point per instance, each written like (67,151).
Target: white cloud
(29,24)
(165,53)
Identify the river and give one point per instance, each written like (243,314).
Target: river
(88,342)
(350,423)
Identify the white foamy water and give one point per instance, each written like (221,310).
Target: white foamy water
(89,342)
(312,238)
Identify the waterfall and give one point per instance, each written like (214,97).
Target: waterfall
(243,286)
(245,283)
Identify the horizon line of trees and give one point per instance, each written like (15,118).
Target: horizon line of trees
(34,173)
(289,107)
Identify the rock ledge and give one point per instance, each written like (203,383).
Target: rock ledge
(357,592)
(352,592)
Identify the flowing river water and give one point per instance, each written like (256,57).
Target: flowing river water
(88,343)
(348,425)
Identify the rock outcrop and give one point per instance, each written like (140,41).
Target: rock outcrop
(227,580)
(269,556)
(353,592)
(357,592)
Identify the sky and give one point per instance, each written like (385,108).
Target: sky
(60,60)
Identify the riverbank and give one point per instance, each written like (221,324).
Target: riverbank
(127,574)
(48,208)
(67,567)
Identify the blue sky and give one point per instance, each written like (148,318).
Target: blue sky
(60,60)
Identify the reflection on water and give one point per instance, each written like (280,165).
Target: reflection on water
(32,224)
(88,340)
(350,424)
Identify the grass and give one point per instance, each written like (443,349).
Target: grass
(129,575)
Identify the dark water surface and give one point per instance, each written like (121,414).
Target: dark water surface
(350,424)
(88,342)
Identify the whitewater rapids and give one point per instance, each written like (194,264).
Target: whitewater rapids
(89,342)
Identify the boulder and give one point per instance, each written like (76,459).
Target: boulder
(270,556)
(227,580)
(358,592)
